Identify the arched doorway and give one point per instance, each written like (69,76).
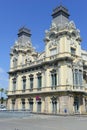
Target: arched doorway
(30,104)
(13,104)
(38,100)
(39,106)
(76,104)
(54,104)
(23,104)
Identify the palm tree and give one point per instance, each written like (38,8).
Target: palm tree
(6,91)
(1,90)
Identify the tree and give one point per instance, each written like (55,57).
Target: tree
(1,90)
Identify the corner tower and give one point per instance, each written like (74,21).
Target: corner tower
(22,52)
(62,34)
(24,35)
(60,15)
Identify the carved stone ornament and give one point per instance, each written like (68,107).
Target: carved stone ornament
(53,25)
(72,42)
(30,58)
(53,43)
(72,25)
(80,63)
(68,37)
(52,35)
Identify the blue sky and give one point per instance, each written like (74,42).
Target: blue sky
(36,15)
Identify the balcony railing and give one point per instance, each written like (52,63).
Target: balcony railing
(48,89)
(37,62)
(28,64)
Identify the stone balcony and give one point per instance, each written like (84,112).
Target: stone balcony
(41,61)
(62,88)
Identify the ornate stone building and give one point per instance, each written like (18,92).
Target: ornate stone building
(54,81)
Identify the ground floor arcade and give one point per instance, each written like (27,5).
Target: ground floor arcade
(56,103)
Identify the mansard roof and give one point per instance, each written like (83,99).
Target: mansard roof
(60,10)
(24,31)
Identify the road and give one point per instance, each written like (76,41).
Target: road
(44,122)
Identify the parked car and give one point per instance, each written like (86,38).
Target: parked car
(2,107)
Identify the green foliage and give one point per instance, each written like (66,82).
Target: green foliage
(2,100)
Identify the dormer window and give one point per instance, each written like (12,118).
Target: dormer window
(52,35)
(73,34)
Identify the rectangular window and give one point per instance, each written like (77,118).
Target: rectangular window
(39,81)
(73,51)
(80,78)
(77,78)
(53,52)
(15,62)
(14,84)
(54,79)
(24,84)
(31,83)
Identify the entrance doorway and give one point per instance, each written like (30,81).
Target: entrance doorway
(23,104)
(54,104)
(76,104)
(13,104)
(39,106)
(31,105)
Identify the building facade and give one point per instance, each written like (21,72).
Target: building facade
(54,81)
